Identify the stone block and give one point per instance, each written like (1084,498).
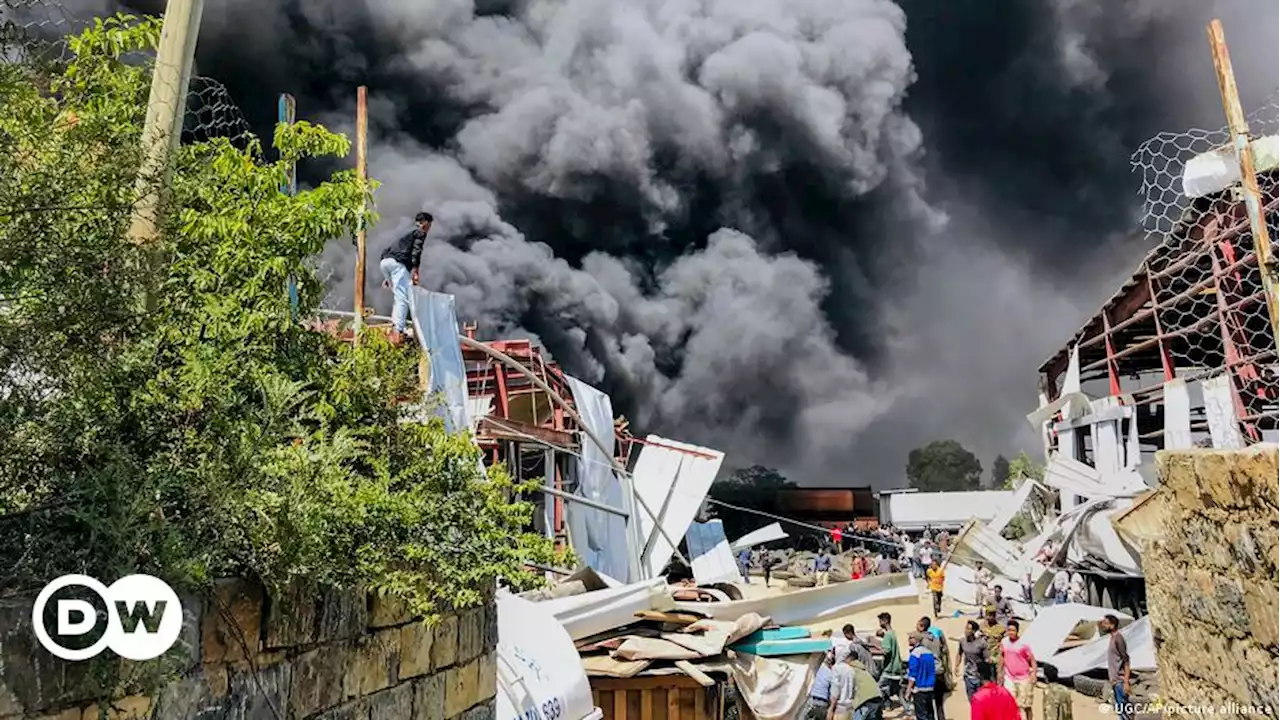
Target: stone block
(190,698)
(292,616)
(387,611)
(1262,609)
(488,675)
(374,663)
(1177,472)
(461,688)
(393,704)
(1206,540)
(357,709)
(484,711)
(416,642)
(1213,471)
(32,680)
(1261,538)
(428,698)
(490,639)
(1229,596)
(232,625)
(444,650)
(1260,678)
(261,695)
(317,679)
(344,615)
(1255,474)
(470,634)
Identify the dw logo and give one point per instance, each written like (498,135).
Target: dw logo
(143,617)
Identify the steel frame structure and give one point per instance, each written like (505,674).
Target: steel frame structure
(1195,307)
(523,427)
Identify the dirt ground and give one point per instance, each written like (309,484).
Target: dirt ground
(905,615)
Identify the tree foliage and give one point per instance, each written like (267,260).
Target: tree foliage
(1000,472)
(1023,467)
(754,487)
(942,466)
(206,433)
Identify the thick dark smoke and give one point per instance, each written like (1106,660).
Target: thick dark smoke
(718,211)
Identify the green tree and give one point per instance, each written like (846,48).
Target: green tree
(754,487)
(999,472)
(943,465)
(207,433)
(1023,467)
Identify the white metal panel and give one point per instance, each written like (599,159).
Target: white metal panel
(1009,509)
(436,326)
(599,538)
(759,536)
(914,511)
(539,671)
(600,610)
(1177,415)
(1054,623)
(1093,655)
(672,478)
(710,554)
(1220,410)
(813,605)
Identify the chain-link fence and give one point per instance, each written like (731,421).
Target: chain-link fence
(35,34)
(1196,309)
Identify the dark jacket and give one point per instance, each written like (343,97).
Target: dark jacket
(408,249)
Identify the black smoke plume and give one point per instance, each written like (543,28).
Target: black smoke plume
(815,234)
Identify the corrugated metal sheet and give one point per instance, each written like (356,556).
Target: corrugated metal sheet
(598,537)
(672,478)
(915,511)
(710,554)
(768,533)
(850,501)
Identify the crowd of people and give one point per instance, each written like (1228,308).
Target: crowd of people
(861,676)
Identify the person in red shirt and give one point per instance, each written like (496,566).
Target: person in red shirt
(991,701)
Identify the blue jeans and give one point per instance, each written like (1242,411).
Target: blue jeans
(401,282)
(971,686)
(1121,701)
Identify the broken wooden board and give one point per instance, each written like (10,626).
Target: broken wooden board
(668,617)
(689,669)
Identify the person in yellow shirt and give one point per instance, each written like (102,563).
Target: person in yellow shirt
(936,577)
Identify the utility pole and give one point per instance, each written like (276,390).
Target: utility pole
(362,139)
(166,109)
(287,111)
(1239,127)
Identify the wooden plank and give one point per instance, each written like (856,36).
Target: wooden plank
(774,648)
(646,705)
(668,617)
(700,704)
(687,703)
(619,705)
(673,704)
(642,683)
(688,669)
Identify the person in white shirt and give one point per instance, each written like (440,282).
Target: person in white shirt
(1061,586)
(1076,593)
(982,579)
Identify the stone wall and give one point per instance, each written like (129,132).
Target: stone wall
(328,656)
(1211,577)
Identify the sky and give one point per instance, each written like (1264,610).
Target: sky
(813,234)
